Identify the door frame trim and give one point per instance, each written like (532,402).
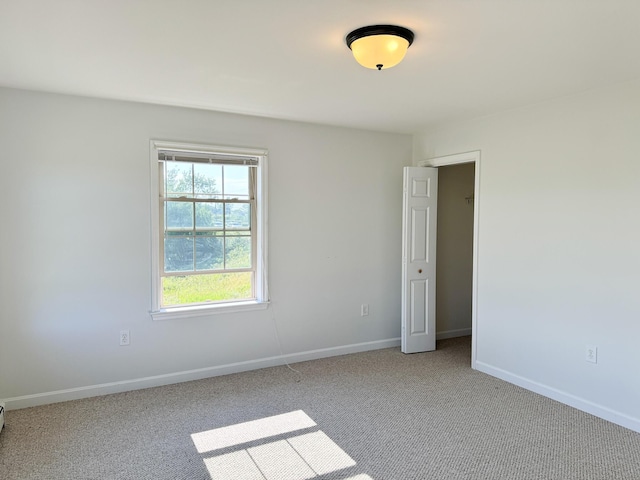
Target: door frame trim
(456,159)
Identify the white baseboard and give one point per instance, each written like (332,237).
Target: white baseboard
(188,375)
(461,332)
(562,397)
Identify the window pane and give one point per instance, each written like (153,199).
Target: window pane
(208,215)
(209,253)
(178,254)
(178,178)
(207,223)
(207,180)
(237,215)
(236,181)
(237,252)
(214,287)
(179,215)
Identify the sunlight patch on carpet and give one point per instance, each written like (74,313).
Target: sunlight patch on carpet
(251,431)
(298,457)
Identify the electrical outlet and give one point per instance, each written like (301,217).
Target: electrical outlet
(364,309)
(591,354)
(124,337)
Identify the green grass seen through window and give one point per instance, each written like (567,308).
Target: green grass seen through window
(205,288)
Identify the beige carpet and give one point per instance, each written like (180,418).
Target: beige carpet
(377,415)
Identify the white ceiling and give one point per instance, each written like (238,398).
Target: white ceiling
(287,58)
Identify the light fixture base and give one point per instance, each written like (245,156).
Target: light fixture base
(394,30)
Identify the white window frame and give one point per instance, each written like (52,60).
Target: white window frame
(260,280)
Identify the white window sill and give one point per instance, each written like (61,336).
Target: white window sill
(207,310)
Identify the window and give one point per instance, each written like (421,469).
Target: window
(209,239)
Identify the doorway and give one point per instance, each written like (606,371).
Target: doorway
(451,326)
(454,250)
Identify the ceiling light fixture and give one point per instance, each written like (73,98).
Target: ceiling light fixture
(379,46)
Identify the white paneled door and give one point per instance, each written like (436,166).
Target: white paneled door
(419,216)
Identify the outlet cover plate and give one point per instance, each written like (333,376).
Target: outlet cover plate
(591,354)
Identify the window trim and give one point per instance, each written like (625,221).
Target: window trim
(260,287)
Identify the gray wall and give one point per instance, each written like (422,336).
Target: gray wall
(75,245)
(558,257)
(454,258)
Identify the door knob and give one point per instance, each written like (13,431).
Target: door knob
(420,270)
